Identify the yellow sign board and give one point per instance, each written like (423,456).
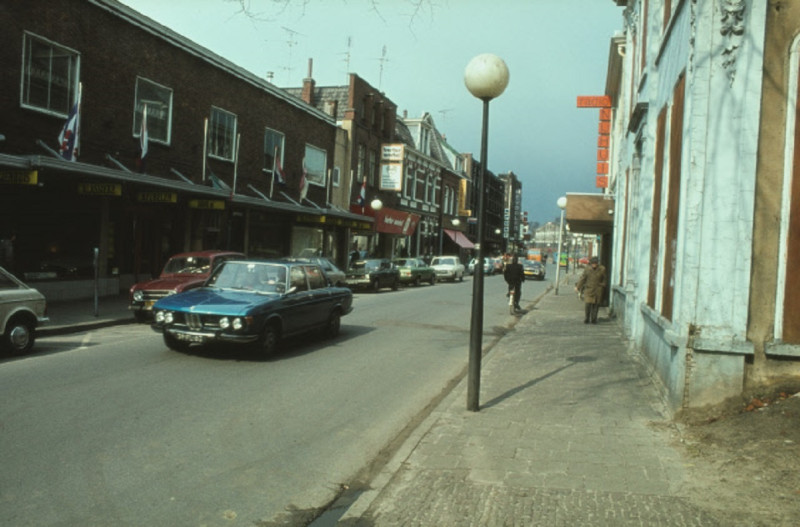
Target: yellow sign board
(27,177)
(100,189)
(207,204)
(157,197)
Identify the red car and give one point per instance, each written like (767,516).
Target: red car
(182,272)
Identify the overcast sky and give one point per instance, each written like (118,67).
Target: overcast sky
(416,52)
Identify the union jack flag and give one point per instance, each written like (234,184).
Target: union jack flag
(68,138)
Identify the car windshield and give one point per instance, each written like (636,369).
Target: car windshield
(188,265)
(402,262)
(442,261)
(251,276)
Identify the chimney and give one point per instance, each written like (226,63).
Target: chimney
(308,84)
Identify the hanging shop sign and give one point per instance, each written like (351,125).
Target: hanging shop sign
(392,221)
(157,197)
(392,176)
(207,204)
(100,189)
(19,177)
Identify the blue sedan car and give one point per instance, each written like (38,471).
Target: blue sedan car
(253,302)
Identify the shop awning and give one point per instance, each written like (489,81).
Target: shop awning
(460,239)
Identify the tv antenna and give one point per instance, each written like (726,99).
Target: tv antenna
(383,60)
(291,42)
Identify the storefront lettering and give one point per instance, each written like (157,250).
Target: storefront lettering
(100,189)
(157,197)
(207,204)
(19,178)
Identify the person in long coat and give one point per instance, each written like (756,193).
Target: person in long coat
(591,285)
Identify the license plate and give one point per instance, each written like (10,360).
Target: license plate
(189,338)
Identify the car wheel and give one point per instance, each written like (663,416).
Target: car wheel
(268,342)
(19,336)
(433,279)
(175,344)
(376,285)
(417,281)
(334,324)
(395,284)
(461,277)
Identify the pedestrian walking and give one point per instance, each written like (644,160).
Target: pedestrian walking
(514,275)
(591,285)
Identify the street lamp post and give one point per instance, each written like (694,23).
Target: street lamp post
(486,77)
(562,204)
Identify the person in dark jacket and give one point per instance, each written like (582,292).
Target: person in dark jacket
(514,275)
(591,285)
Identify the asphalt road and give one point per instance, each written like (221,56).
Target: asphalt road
(111,428)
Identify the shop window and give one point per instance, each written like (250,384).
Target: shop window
(159,110)
(316,163)
(221,134)
(50,75)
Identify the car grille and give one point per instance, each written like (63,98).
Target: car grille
(197,322)
(155,294)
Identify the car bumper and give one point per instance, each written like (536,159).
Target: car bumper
(204,337)
(358,282)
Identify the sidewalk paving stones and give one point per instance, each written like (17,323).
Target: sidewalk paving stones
(570,432)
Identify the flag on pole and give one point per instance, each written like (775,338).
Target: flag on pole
(303,182)
(144,137)
(362,196)
(68,138)
(277,173)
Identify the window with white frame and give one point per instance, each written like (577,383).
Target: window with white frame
(158,100)
(221,134)
(429,189)
(50,74)
(273,150)
(316,164)
(409,186)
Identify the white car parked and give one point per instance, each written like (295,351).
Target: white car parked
(448,268)
(22,309)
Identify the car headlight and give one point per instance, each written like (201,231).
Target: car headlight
(238,324)
(138,295)
(224,323)
(159,317)
(168,317)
